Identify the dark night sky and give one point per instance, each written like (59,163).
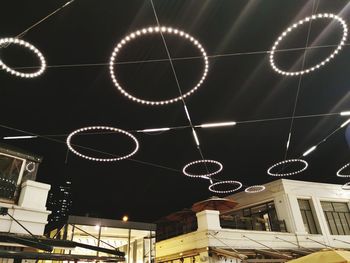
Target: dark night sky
(239,87)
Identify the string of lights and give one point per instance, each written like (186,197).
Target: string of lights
(155,30)
(115,130)
(15,41)
(152,131)
(295,26)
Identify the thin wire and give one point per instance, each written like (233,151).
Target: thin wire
(34,25)
(88,148)
(42,20)
(198,126)
(179,58)
(135,160)
(178,85)
(299,83)
(316,145)
(288,118)
(170,60)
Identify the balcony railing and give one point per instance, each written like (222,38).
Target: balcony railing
(253,223)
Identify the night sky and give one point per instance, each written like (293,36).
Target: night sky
(77,91)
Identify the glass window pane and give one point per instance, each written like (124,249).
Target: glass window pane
(303,215)
(331,223)
(304,204)
(308,217)
(258,209)
(338,224)
(311,222)
(10,169)
(341,207)
(327,206)
(344,223)
(347,216)
(246,212)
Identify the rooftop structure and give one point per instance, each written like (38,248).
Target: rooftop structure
(290,218)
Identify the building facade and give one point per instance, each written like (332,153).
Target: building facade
(60,203)
(289,219)
(23,198)
(135,239)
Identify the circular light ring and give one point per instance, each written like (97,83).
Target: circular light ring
(346,186)
(156,30)
(16,41)
(296,25)
(285,162)
(220,167)
(254,189)
(342,169)
(212,187)
(28,169)
(69,138)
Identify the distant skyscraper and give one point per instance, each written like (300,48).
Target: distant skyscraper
(59,202)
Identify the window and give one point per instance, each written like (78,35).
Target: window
(337,216)
(261,217)
(308,217)
(10,169)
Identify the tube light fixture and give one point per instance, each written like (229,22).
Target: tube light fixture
(345,113)
(195,137)
(19,137)
(187,113)
(345,123)
(218,124)
(310,150)
(155,130)
(288,142)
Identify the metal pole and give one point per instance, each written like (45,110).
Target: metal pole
(341,241)
(99,238)
(278,252)
(223,242)
(312,250)
(95,237)
(71,239)
(323,244)
(129,238)
(150,247)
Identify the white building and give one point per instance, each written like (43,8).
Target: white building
(20,194)
(22,200)
(289,219)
